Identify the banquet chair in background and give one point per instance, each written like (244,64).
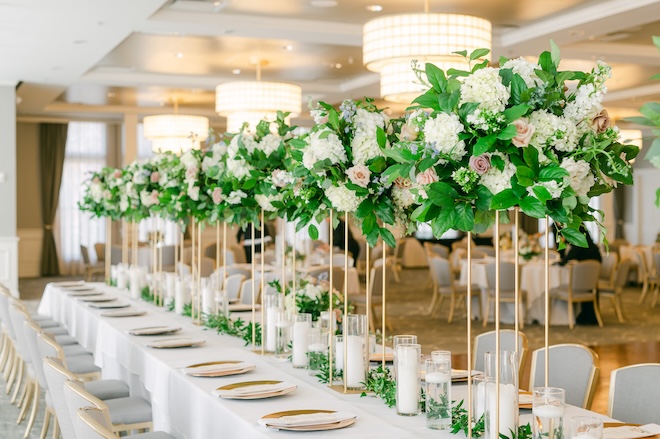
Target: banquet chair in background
(91,270)
(92,423)
(486,343)
(656,277)
(99,249)
(323,273)
(124,414)
(245,296)
(433,249)
(81,365)
(573,367)
(582,287)
(239,253)
(642,273)
(375,292)
(507,289)
(607,275)
(459,255)
(233,285)
(444,285)
(614,291)
(56,375)
(488,249)
(635,394)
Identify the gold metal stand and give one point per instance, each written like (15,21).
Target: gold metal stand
(108,250)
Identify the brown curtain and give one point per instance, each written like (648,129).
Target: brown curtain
(528,224)
(52,143)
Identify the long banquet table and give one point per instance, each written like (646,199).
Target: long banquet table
(185,407)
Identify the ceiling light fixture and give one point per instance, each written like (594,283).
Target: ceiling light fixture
(323,3)
(179,55)
(252,101)
(391,42)
(374,8)
(175,132)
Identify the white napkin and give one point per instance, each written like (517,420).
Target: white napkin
(124,313)
(154,330)
(630,432)
(307,419)
(216,368)
(254,390)
(175,343)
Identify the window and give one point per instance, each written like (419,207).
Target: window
(86,151)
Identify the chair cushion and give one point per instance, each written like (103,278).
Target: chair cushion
(74,350)
(577,297)
(56,330)
(81,364)
(47,323)
(129,410)
(107,389)
(152,435)
(65,340)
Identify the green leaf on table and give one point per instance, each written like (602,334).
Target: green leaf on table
(464,217)
(574,236)
(552,173)
(515,112)
(504,200)
(313,232)
(532,207)
(525,176)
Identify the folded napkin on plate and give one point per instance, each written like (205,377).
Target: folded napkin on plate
(253,390)
(216,368)
(631,432)
(307,419)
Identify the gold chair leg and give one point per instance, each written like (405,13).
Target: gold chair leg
(27,401)
(571,317)
(486,313)
(452,306)
(438,306)
(433,300)
(597,312)
(12,375)
(19,382)
(645,289)
(11,355)
(44,429)
(35,410)
(655,296)
(21,398)
(616,301)
(56,428)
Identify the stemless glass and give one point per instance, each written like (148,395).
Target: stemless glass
(548,411)
(585,427)
(438,390)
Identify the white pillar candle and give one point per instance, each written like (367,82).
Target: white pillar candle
(208,300)
(339,356)
(271,328)
(135,283)
(355,362)
(437,378)
(548,411)
(170,280)
(142,276)
(122,278)
(407,381)
(300,337)
(508,404)
(179,296)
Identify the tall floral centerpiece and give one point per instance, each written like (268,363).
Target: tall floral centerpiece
(488,139)
(100,194)
(343,160)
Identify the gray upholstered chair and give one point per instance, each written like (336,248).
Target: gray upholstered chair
(486,343)
(124,414)
(93,423)
(444,285)
(635,394)
(656,277)
(608,272)
(573,367)
(433,249)
(615,290)
(507,289)
(375,291)
(91,269)
(582,287)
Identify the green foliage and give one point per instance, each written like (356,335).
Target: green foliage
(235,328)
(381,383)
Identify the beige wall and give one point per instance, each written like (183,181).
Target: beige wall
(28,179)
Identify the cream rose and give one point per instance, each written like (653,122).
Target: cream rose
(155,176)
(427,177)
(217,195)
(409,132)
(524,131)
(359,174)
(480,163)
(601,122)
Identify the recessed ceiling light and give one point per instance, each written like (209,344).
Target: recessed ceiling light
(288,47)
(374,8)
(338,66)
(236,71)
(179,55)
(323,3)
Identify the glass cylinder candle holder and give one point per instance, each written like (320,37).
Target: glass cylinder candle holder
(271,304)
(338,353)
(317,350)
(397,340)
(585,427)
(407,379)
(548,405)
(507,403)
(478,397)
(356,358)
(438,390)
(302,323)
(284,324)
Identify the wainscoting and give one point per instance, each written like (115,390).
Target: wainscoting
(29,252)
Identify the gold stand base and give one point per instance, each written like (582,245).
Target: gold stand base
(339,388)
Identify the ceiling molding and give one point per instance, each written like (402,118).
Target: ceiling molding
(614,52)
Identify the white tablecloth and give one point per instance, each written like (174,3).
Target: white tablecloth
(532,280)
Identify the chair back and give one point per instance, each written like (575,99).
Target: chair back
(238,270)
(440,271)
(93,425)
(99,249)
(436,250)
(608,266)
(32,332)
(553,255)
(323,273)
(642,268)
(634,394)
(76,397)
(376,283)
(17,316)
(487,249)
(507,276)
(49,348)
(245,297)
(573,367)
(239,253)
(233,285)
(338,260)
(56,375)
(486,343)
(584,276)
(622,271)
(85,255)
(169,253)
(4,313)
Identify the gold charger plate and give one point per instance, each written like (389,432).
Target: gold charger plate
(316,427)
(220,373)
(622,424)
(263,395)
(175,343)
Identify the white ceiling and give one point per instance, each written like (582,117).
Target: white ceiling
(103,59)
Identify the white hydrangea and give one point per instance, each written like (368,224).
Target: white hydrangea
(123,203)
(342,198)
(586,105)
(141,176)
(312,291)
(96,192)
(485,87)
(365,144)
(281,178)
(265,201)
(270,143)
(495,180)
(580,177)
(442,133)
(238,168)
(188,160)
(235,197)
(402,197)
(525,69)
(552,186)
(555,131)
(147,199)
(193,192)
(318,148)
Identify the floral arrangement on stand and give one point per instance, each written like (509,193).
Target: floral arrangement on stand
(101,194)
(529,246)
(488,139)
(312,296)
(343,160)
